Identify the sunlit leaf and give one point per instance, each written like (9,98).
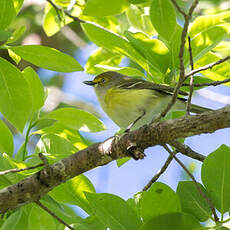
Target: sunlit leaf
(65,132)
(163,17)
(6,139)
(77,119)
(36,88)
(51,22)
(113,42)
(207,40)
(55,147)
(15,101)
(102,57)
(206,22)
(129,71)
(216,73)
(47,58)
(7,13)
(104,7)
(17,34)
(72,192)
(152,50)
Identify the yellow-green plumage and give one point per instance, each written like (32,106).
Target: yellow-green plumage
(125,99)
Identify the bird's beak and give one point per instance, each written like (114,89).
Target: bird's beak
(92,83)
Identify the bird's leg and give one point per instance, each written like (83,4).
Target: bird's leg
(133,123)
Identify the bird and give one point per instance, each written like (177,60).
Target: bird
(131,102)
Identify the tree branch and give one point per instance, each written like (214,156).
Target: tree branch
(19,169)
(214,83)
(209,66)
(34,187)
(186,150)
(188,105)
(181,59)
(159,173)
(53,215)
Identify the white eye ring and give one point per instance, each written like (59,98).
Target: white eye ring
(102,80)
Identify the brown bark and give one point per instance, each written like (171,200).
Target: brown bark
(37,185)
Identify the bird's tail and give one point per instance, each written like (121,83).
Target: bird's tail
(199,109)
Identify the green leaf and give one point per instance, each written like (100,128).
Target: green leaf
(63,211)
(36,88)
(77,119)
(122,161)
(218,72)
(158,200)
(192,202)
(17,34)
(15,101)
(6,139)
(134,15)
(17,5)
(206,22)
(7,13)
(18,219)
(216,165)
(90,223)
(14,56)
(65,132)
(113,43)
(174,48)
(55,147)
(102,57)
(207,40)
(47,58)
(72,192)
(163,17)
(51,22)
(4,35)
(40,219)
(138,1)
(129,71)
(113,211)
(223,48)
(153,50)
(172,221)
(100,8)
(135,202)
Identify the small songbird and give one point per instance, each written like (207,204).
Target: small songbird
(134,101)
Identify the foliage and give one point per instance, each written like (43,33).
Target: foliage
(149,35)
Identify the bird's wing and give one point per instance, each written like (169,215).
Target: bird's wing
(141,84)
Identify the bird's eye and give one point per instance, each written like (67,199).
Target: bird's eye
(102,80)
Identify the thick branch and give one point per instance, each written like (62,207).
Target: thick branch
(37,185)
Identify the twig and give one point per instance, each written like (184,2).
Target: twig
(209,66)
(53,215)
(214,83)
(19,170)
(178,8)
(210,204)
(159,173)
(187,151)
(76,19)
(181,55)
(188,105)
(56,9)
